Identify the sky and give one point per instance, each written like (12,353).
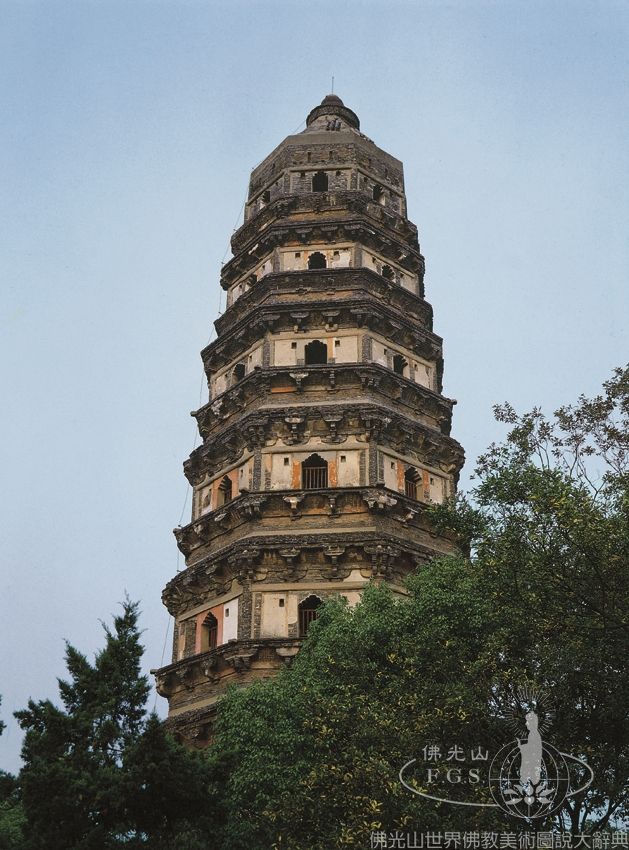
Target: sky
(128,134)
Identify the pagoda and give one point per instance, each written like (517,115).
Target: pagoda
(326,434)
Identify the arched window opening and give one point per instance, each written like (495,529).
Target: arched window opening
(378,194)
(253,278)
(411,479)
(387,273)
(317,261)
(239,372)
(320,182)
(266,197)
(308,613)
(210,632)
(316,353)
(314,473)
(224,492)
(399,364)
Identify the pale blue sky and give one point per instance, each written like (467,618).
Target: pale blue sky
(128,133)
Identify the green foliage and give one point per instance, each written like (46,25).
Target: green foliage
(98,773)
(548,522)
(311,760)
(11,812)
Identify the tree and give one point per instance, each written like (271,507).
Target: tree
(548,523)
(11,813)
(311,759)
(99,773)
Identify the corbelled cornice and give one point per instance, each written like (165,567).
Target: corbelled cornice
(332,424)
(350,288)
(287,557)
(358,383)
(266,512)
(338,204)
(325,316)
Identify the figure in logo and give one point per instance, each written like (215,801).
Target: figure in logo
(531,755)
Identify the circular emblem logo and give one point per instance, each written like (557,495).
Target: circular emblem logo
(525,787)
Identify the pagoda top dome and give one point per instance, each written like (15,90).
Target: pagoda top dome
(332,114)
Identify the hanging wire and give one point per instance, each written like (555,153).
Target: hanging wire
(161,664)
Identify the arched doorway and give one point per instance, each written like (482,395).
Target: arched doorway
(314,473)
(320,182)
(399,364)
(316,353)
(308,613)
(378,194)
(225,492)
(411,479)
(209,638)
(317,261)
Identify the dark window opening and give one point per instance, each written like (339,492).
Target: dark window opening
(210,626)
(266,197)
(411,478)
(320,182)
(316,353)
(387,273)
(378,194)
(224,491)
(253,278)
(308,613)
(317,261)
(314,473)
(239,372)
(399,364)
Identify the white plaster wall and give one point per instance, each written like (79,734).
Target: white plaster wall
(274,620)
(337,256)
(281,472)
(376,262)
(243,285)
(423,373)
(418,370)
(245,475)
(283,352)
(437,487)
(348,468)
(339,259)
(204,501)
(345,349)
(254,358)
(390,472)
(378,352)
(230,620)
(409,281)
(220,381)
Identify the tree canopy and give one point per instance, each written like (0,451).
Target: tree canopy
(99,772)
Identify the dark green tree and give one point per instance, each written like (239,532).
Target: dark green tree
(11,813)
(98,772)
